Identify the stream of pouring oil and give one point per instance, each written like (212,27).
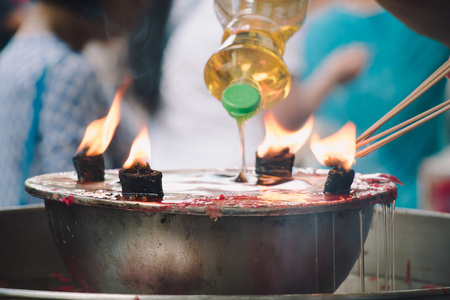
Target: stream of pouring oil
(241,126)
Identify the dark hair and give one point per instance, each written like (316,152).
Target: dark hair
(146,48)
(89,8)
(5,8)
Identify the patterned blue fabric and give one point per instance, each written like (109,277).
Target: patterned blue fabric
(71,98)
(399,60)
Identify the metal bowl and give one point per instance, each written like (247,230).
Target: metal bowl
(206,237)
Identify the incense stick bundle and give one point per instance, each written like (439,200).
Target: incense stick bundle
(418,120)
(428,83)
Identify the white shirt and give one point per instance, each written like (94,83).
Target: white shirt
(193,130)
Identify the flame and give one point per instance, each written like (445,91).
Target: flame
(140,149)
(277,138)
(337,149)
(99,133)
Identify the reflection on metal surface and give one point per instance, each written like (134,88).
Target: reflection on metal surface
(421,242)
(198,191)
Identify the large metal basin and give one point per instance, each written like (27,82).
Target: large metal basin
(119,246)
(29,260)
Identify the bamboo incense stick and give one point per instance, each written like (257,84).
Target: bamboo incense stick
(399,133)
(422,88)
(418,117)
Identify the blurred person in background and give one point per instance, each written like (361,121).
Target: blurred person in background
(190,128)
(138,55)
(398,60)
(340,40)
(145,55)
(49,91)
(428,18)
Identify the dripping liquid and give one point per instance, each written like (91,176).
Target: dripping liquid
(361,261)
(334,249)
(317,255)
(241,126)
(376,249)
(383,227)
(385,246)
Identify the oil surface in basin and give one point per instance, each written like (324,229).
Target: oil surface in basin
(215,192)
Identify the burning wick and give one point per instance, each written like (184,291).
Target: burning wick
(136,176)
(141,179)
(89,168)
(339,181)
(338,152)
(276,155)
(88,161)
(278,163)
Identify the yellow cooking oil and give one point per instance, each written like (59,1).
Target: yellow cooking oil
(250,59)
(248,73)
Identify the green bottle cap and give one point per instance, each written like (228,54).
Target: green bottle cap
(240,99)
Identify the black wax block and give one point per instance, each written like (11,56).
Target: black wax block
(89,168)
(339,181)
(141,179)
(277,164)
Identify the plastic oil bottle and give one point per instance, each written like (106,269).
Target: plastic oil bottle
(248,73)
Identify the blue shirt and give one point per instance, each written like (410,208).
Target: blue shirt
(48,95)
(399,60)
